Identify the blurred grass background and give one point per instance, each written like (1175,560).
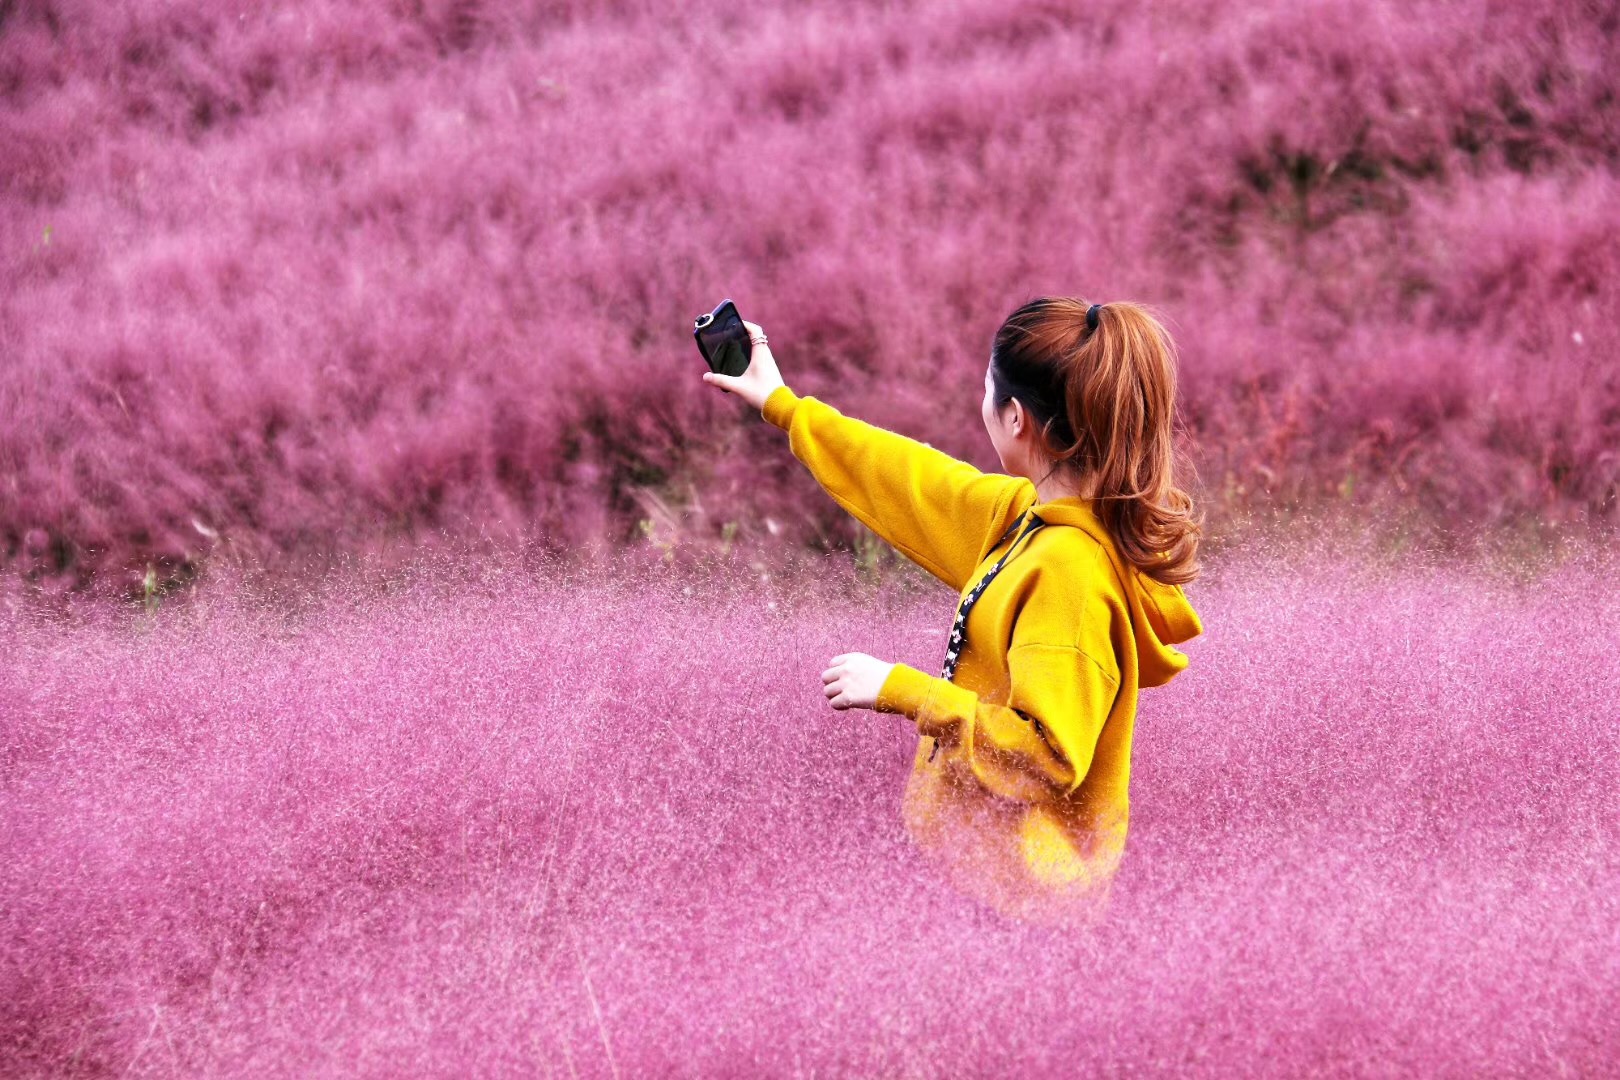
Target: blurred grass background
(290,284)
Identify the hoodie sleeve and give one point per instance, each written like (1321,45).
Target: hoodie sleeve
(934,509)
(1035,748)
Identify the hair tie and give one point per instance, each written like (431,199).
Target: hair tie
(1091,316)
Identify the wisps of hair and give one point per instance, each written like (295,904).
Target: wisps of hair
(1104,400)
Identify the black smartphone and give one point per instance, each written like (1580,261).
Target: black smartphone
(723,340)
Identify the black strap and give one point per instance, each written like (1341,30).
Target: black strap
(958,640)
(1008,533)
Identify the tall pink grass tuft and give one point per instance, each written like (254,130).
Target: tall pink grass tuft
(506,823)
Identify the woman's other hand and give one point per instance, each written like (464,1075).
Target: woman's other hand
(755,384)
(854,680)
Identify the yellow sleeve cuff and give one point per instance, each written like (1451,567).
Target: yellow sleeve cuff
(779,406)
(905,691)
(934,704)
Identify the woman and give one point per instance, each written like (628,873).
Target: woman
(1069,570)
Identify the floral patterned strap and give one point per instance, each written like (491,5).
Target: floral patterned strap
(958,640)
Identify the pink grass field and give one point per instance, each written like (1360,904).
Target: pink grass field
(474,821)
(467,718)
(287,280)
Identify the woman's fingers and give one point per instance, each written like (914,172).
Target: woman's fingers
(758,350)
(835,684)
(724,382)
(832,684)
(761,377)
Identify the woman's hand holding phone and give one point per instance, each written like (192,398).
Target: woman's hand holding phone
(762,376)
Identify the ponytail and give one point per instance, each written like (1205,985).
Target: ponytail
(1103,400)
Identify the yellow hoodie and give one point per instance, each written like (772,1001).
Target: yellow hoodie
(1025,804)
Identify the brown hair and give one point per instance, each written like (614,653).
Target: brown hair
(1103,401)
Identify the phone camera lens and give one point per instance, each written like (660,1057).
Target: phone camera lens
(704,320)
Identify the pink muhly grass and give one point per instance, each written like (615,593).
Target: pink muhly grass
(287,281)
(605,823)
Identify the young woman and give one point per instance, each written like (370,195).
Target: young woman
(1069,570)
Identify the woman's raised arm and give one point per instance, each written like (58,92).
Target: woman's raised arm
(940,512)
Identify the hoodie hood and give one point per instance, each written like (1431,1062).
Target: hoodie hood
(1161,615)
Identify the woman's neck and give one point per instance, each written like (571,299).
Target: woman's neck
(1062,487)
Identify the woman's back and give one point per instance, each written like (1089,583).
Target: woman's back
(1026,800)
(1067,568)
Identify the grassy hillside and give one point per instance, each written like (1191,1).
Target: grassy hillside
(293,281)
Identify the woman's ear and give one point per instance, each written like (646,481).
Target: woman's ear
(1018,419)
